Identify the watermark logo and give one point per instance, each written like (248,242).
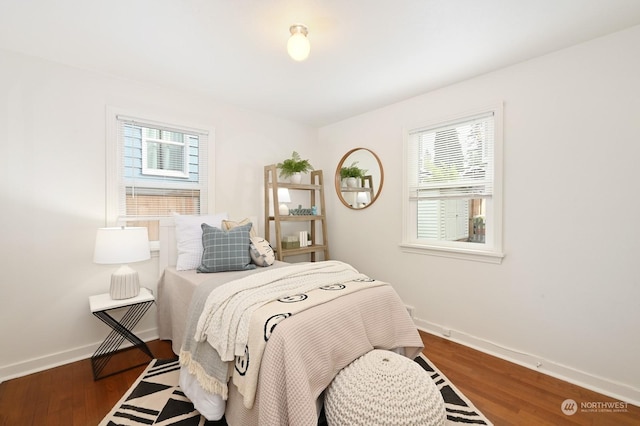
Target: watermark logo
(569,407)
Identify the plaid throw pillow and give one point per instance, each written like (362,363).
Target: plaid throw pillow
(225,250)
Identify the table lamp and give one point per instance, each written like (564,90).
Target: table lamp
(283,197)
(122,246)
(362,199)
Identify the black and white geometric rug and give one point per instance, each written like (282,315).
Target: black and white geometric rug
(156,399)
(459,408)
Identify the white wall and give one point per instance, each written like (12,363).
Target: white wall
(52,194)
(567,293)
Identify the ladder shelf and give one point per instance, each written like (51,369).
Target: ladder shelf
(317,222)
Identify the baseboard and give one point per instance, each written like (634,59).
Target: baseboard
(616,390)
(34,365)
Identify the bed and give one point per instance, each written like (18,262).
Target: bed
(303,353)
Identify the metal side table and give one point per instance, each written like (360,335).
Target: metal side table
(121,330)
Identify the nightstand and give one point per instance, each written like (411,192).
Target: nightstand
(121,330)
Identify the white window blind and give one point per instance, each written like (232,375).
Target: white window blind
(452,161)
(162,169)
(452,187)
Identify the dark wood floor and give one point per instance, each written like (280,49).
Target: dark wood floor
(509,394)
(506,393)
(68,395)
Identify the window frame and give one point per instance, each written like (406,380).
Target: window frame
(152,171)
(491,250)
(115,169)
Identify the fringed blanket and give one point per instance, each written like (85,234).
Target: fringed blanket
(224,322)
(306,351)
(237,319)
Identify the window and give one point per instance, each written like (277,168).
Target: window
(453,187)
(153,170)
(164,152)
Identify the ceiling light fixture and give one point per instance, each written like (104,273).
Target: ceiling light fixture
(298,45)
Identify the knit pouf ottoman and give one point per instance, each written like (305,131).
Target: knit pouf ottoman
(383,388)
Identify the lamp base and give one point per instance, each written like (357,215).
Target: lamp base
(283,209)
(124,283)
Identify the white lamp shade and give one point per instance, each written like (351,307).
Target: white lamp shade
(298,45)
(363,197)
(283,195)
(121,245)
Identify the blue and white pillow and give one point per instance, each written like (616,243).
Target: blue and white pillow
(225,250)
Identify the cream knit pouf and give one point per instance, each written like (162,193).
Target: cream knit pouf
(383,388)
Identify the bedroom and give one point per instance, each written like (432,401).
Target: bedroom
(565,294)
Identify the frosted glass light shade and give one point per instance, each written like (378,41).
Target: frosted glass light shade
(298,45)
(121,246)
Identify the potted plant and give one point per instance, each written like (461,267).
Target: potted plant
(351,174)
(293,168)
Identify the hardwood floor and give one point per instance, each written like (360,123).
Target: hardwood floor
(506,393)
(509,394)
(68,395)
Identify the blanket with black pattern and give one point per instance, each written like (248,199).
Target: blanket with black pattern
(264,300)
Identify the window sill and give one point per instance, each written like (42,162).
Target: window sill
(453,253)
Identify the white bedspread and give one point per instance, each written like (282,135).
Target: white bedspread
(175,291)
(224,322)
(375,318)
(263,300)
(306,351)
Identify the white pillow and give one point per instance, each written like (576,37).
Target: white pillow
(189,238)
(261,252)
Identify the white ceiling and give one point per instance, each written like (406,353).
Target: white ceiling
(364,53)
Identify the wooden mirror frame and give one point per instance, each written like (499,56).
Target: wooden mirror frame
(338,180)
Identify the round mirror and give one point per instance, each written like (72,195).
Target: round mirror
(359,178)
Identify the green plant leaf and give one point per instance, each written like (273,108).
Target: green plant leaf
(292,165)
(352,171)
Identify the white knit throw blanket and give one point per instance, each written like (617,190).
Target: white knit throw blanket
(224,322)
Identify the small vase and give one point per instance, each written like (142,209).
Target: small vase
(351,182)
(295,178)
